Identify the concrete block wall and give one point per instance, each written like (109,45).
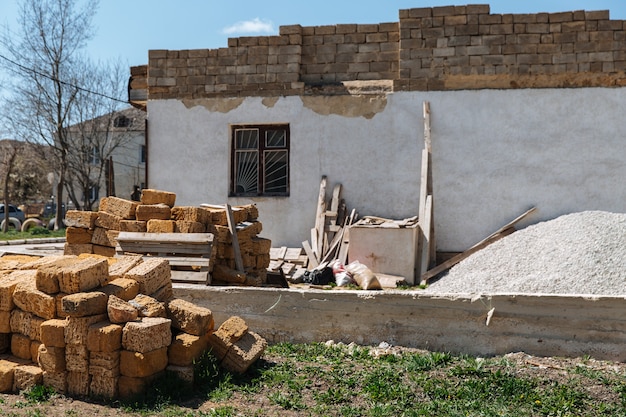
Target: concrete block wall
(438,48)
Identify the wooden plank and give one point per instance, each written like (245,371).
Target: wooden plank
(505,230)
(345,241)
(235,240)
(456,259)
(427,139)
(320,219)
(425,230)
(189,277)
(278,253)
(190,238)
(292,254)
(145,248)
(275,265)
(313,262)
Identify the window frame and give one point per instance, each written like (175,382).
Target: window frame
(262,150)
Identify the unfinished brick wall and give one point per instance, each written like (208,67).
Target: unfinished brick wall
(439,48)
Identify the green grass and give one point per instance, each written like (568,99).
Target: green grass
(319,380)
(35,232)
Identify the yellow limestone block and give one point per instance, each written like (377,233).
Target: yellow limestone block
(47,280)
(56,380)
(104,337)
(5,324)
(104,363)
(104,237)
(119,207)
(133,226)
(148,306)
(244,353)
(8,283)
(103,251)
(53,333)
(20,322)
(191,214)
(185,226)
(186,348)
(139,365)
(7,370)
(20,346)
(108,221)
(77,328)
(84,304)
(226,335)
(78,235)
(104,386)
(147,212)
(161,226)
(120,311)
(30,299)
(147,334)
(26,377)
(85,275)
(76,358)
(73,249)
(152,274)
(51,359)
(189,317)
(124,264)
(78,383)
(80,218)
(151,196)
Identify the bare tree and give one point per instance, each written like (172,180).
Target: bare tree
(96,137)
(52,79)
(8,161)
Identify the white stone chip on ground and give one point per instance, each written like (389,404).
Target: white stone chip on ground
(580,253)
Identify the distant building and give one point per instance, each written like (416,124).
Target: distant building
(114,156)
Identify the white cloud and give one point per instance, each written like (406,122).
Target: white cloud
(255,25)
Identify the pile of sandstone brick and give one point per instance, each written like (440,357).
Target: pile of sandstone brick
(90,325)
(96,232)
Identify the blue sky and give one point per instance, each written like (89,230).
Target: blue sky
(127,29)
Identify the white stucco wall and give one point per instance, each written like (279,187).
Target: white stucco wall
(495,154)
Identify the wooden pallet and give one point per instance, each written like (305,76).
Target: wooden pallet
(189,254)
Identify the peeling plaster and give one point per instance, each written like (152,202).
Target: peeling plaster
(270,101)
(222,105)
(366,106)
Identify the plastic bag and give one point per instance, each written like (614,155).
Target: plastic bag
(322,276)
(363,276)
(342,277)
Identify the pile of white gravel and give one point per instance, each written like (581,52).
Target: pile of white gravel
(580,253)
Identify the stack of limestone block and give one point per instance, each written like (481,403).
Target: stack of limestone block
(96,232)
(84,326)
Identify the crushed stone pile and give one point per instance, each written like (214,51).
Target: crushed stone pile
(580,253)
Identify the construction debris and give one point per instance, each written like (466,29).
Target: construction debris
(82,340)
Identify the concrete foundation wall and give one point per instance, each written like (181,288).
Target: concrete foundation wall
(569,326)
(495,154)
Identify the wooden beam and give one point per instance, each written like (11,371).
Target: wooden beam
(505,230)
(458,258)
(235,240)
(320,219)
(425,229)
(313,262)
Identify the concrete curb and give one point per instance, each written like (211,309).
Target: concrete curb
(32,241)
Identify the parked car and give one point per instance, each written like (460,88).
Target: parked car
(13,212)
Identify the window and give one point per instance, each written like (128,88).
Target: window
(94,193)
(260,160)
(142,154)
(94,157)
(121,121)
